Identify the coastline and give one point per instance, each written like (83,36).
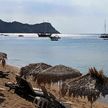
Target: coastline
(14,101)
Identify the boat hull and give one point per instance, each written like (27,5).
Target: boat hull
(104,36)
(54,38)
(44,35)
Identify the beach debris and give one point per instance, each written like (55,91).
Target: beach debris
(2,98)
(3,57)
(92,85)
(4,74)
(2,89)
(33,69)
(57,73)
(41,99)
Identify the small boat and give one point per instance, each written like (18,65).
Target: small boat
(1,34)
(54,38)
(44,34)
(5,35)
(20,36)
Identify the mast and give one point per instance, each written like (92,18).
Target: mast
(105,25)
(105,34)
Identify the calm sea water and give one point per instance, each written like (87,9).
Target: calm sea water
(81,52)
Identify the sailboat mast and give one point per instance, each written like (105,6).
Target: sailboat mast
(104,35)
(105,26)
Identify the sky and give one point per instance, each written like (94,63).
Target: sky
(67,16)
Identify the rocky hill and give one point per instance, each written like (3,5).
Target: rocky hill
(17,27)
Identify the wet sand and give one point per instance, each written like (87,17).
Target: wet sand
(14,101)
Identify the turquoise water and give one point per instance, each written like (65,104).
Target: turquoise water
(81,53)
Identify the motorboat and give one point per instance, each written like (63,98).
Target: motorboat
(44,34)
(54,38)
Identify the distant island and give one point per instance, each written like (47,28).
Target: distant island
(17,27)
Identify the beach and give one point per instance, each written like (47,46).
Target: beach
(12,100)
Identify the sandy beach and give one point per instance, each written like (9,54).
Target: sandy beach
(14,101)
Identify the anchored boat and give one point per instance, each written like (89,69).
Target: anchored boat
(104,35)
(54,38)
(44,34)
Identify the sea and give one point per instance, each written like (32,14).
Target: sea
(77,51)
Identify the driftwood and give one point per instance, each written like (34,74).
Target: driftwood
(42,99)
(2,98)
(4,74)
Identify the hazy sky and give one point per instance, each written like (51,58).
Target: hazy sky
(67,16)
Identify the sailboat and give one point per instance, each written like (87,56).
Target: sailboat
(104,35)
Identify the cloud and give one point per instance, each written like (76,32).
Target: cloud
(57,7)
(66,15)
